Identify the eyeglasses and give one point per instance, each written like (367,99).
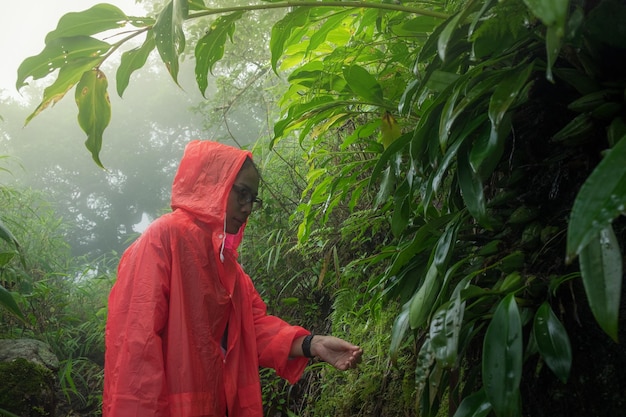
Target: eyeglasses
(245,196)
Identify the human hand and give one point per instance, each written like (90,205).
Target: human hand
(337,352)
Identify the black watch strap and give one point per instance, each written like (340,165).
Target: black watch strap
(306,346)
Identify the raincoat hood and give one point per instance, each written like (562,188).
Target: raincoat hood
(203,181)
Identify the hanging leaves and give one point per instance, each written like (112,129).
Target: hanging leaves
(94,109)
(601,270)
(502,359)
(552,342)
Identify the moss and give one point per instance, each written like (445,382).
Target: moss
(27,389)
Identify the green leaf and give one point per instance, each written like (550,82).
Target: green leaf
(7,236)
(423,299)
(601,270)
(471,188)
(131,61)
(552,342)
(73,52)
(402,209)
(553,14)
(363,84)
(169,35)
(550,12)
(507,91)
(8,302)
(445,39)
(99,18)
(600,200)
(399,329)
(67,78)
(282,30)
(445,327)
(475,405)
(502,359)
(94,109)
(329,25)
(5,257)
(210,48)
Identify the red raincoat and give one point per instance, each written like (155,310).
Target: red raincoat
(179,288)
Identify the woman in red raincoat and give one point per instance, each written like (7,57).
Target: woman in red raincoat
(186,330)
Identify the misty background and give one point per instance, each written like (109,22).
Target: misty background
(104,210)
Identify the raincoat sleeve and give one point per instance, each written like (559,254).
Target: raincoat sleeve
(274,339)
(138,309)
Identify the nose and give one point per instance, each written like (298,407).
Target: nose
(247,208)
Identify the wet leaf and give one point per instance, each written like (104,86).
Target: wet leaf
(502,359)
(94,109)
(210,48)
(74,52)
(7,300)
(399,329)
(169,35)
(99,18)
(471,188)
(283,29)
(364,84)
(131,61)
(423,299)
(475,405)
(553,342)
(601,199)
(601,270)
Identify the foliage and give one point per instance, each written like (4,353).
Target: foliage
(63,300)
(482,126)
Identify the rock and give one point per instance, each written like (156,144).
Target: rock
(28,374)
(34,351)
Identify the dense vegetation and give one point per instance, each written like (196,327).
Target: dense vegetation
(455,176)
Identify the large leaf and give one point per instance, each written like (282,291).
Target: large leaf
(445,327)
(210,48)
(601,270)
(600,200)
(502,359)
(68,76)
(475,405)
(553,14)
(471,188)
(8,302)
(73,52)
(169,35)
(131,61)
(507,91)
(282,30)
(99,18)
(7,236)
(552,342)
(94,109)
(363,84)
(422,301)
(399,329)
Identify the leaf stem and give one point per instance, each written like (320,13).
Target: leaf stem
(345,4)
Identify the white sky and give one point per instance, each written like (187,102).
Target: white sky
(24,25)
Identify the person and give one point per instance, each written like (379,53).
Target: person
(186,330)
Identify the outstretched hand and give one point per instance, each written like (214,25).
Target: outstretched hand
(337,352)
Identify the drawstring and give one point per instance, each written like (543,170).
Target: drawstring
(223,236)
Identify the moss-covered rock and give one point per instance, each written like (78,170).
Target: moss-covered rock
(27,389)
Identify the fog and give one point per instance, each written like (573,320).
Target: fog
(150,125)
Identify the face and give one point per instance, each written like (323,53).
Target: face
(246,187)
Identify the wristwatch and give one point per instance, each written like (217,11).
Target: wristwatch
(306,346)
